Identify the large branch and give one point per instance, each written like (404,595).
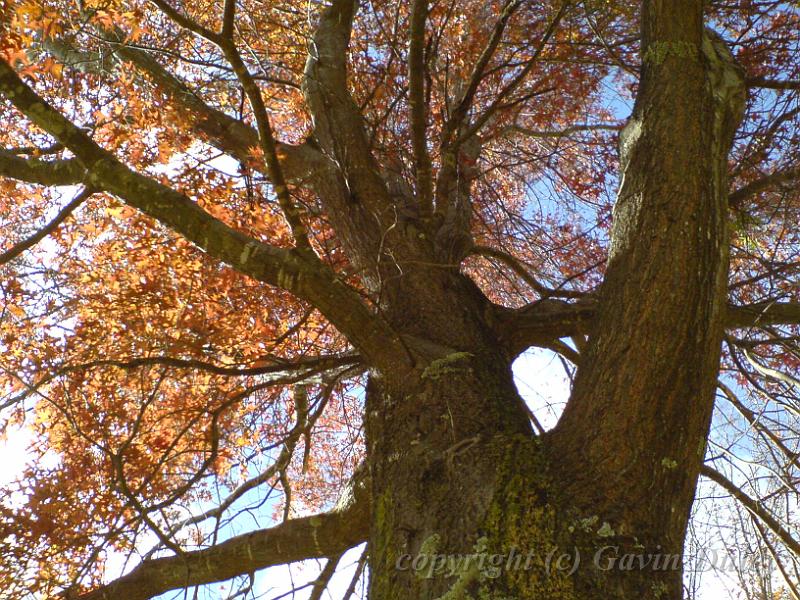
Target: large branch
(300,163)
(306,366)
(298,272)
(339,124)
(539,323)
(737,197)
(418,107)
(308,370)
(318,536)
(67,171)
(763,313)
(774,84)
(365,215)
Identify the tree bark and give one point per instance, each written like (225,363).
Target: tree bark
(455,469)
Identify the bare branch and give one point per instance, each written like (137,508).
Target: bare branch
(321,583)
(754,506)
(417,104)
(558,133)
(773,84)
(776,557)
(516,265)
(771,373)
(362,561)
(755,423)
(318,536)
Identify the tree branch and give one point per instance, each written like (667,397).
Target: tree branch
(42,233)
(506,91)
(754,507)
(324,579)
(545,320)
(339,125)
(364,215)
(519,268)
(186,22)
(302,274)
(793,589)
(541,322)
(267,144)
(465,102)
(266,140)
(773,84)
(67,171)
(557,133)
(319,536)
(753,420)
(300,163)
(418,107)
(228,18)
(737,197)
(763,313)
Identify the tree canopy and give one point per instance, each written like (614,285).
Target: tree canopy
(222,217)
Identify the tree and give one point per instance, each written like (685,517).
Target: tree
(419,193)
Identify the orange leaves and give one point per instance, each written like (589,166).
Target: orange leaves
(121,211)
(140,348)
(33,18)
(16,310)
(104,19)
(15,56)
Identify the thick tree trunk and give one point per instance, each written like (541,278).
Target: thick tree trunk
(434,451)
(455,468)
(456,473)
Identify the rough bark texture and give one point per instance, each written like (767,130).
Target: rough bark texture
(453,464)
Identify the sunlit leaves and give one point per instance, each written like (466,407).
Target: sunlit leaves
(130,355)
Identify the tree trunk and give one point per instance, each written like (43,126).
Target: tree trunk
(455,468)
